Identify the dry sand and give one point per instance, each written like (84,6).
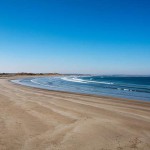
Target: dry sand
(35,119)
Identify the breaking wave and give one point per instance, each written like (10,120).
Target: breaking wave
(76,79)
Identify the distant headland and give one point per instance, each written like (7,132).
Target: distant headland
(27,74)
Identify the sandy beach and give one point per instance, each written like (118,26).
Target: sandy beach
(36,119)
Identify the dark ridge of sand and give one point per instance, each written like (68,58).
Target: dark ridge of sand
(36,119)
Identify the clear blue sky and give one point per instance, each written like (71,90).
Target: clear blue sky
(75,36)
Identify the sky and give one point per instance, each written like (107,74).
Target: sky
(75,36)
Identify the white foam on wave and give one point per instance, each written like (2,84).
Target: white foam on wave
(128,90)
(101,82)
(124,89)
(75,79)
(16,81)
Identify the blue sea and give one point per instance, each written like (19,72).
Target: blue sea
(136,88)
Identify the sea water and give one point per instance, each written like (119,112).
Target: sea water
(137,88)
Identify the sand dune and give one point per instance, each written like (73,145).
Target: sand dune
(35,119)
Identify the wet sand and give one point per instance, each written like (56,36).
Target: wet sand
(36,119)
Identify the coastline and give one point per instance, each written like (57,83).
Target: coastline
(115,97)
(34,118)
(76,93)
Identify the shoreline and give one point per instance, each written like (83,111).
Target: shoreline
(35,118)
(94,95)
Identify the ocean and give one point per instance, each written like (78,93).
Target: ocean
(136,88)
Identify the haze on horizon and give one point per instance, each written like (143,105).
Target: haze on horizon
(77,36)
